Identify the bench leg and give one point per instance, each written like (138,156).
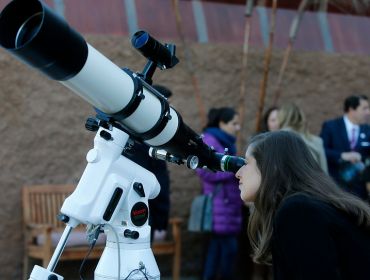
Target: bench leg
(25,265)
(177,259)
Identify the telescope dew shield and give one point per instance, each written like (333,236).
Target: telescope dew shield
(40,38)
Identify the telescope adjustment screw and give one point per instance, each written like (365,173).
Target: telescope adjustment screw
(106,135)
(63,218)
(131,234)
(92,124)
(52,277)
(141,265)
(226,151)
(138,187)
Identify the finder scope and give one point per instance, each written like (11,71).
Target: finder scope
(161,55)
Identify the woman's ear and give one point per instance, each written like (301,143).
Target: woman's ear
(222,124)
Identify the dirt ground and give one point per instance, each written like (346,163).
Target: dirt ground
(44,140)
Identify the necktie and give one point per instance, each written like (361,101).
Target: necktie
(353,140)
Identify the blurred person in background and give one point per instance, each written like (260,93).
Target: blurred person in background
(270,120)
(291,117)
(347,140)
(159,207)
(221,130)
(302,222)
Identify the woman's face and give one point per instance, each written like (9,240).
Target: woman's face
(273,121)
(232,126)
(249,177)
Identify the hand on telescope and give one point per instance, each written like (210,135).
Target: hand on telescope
(353,157)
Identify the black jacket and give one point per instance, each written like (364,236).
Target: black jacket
(334,136)
(160,206)
(312,240)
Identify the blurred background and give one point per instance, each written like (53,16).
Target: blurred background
(43,139)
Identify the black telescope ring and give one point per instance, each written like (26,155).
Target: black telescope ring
(134,103)
(164,118)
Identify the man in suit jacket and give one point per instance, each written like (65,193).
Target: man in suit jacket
(159,207)
(347,139)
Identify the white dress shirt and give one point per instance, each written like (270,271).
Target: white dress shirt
(349,127)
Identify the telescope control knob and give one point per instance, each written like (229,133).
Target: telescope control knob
(92,124)
(106,135)
(63,218)
(192,162)
(131,234)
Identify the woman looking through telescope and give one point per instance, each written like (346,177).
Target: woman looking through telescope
(302,222)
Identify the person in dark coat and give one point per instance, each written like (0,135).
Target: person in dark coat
(159,207)
(347,140)
(220,133)
(302,222)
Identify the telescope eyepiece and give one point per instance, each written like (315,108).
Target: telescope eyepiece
(231,164)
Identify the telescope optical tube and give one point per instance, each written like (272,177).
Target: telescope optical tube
(40,38)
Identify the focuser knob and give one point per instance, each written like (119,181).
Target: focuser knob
(92,124)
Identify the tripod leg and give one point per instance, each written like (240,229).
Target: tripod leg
(47,247)
(59,249)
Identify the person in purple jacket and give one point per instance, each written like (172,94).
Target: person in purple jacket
(220,133)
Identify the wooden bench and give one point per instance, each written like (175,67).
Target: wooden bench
(42,204)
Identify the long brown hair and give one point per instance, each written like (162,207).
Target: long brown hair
(287,168)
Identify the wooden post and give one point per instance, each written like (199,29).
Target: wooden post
(281,73)
(292,35)
(248,14)
(180,28)
(267,63)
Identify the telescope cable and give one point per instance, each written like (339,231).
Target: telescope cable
(119,254)
(97,232)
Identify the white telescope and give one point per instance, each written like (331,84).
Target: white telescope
(113,191)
